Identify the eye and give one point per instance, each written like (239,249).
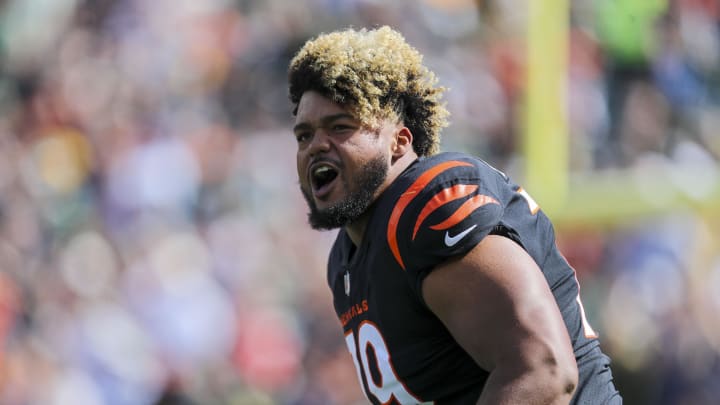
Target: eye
(341,128)
(303,136)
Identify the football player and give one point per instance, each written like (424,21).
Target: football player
(445,274)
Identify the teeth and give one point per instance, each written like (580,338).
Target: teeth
(320,170)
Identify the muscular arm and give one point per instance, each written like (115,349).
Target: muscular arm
(498,306)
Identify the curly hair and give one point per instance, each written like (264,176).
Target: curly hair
(376,75)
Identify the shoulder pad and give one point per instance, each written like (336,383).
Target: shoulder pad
(446,211)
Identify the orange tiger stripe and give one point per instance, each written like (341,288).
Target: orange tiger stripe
(466,209)
(408,196)
(442,198)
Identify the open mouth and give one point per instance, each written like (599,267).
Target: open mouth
(322,176)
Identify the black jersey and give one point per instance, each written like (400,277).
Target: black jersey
(439,207)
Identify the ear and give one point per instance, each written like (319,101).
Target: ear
(402,143)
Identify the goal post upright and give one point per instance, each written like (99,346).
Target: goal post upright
(545,137)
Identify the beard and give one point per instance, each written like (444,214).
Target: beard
(361,195)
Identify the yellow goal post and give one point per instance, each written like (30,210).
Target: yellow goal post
(597,198)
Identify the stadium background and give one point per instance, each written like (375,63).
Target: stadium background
(153,243)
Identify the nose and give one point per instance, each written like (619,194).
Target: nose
(320,142)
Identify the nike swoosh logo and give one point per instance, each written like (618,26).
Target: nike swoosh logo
(452,240)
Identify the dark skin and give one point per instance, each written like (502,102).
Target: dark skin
(498,306)
(494,300)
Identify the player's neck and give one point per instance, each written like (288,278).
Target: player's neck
(356,230)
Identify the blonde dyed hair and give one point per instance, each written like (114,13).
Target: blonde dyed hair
(374,74)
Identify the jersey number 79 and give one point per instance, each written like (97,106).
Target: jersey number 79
(387,386)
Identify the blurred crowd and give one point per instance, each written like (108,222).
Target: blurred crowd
(153,241)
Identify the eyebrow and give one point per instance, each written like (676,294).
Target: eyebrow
(323,121)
